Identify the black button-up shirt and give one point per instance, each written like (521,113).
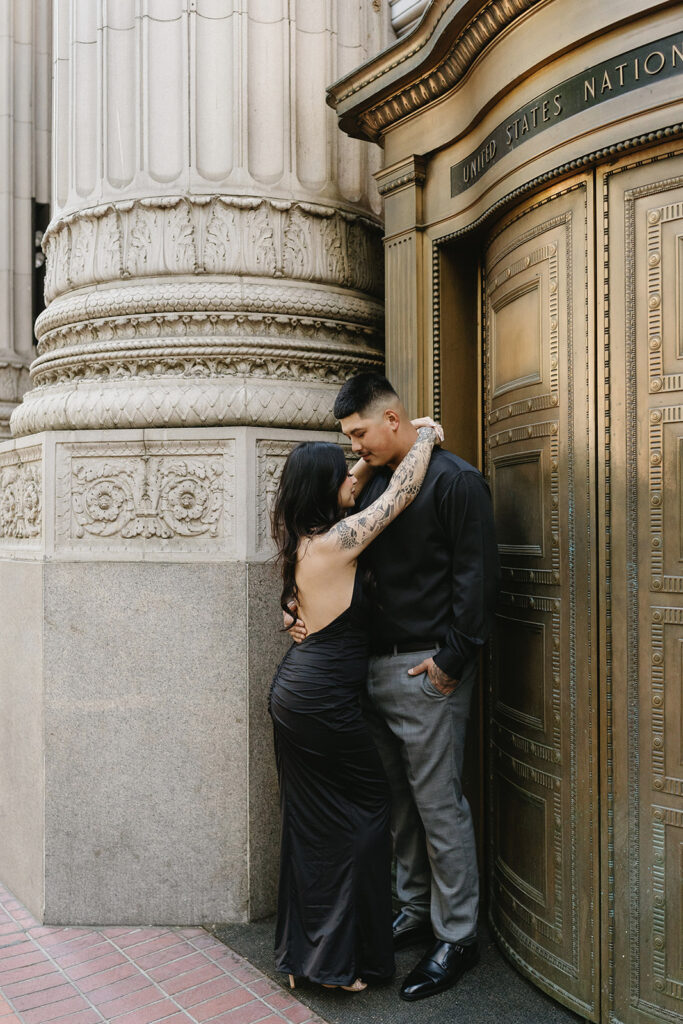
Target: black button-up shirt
(436,566)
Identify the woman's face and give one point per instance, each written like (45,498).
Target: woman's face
(346,496)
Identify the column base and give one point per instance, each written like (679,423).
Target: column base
(141,629)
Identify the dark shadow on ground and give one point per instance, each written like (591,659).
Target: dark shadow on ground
(491,993)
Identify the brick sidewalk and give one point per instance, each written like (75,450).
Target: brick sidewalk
(131,976)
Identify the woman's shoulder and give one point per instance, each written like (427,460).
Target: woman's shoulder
(315,546)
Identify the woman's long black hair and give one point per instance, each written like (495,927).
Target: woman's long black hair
(306,503)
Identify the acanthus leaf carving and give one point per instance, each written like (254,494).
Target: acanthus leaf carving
(20,497)
(210,234)
(259,251)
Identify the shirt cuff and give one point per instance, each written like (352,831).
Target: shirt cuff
(449,662)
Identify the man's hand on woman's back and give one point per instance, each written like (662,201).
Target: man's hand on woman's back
(294,626)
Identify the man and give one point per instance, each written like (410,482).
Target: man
(436,574)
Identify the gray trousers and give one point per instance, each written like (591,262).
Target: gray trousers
(420,734)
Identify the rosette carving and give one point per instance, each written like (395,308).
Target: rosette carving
(148,497)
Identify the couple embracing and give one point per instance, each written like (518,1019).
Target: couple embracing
(391,572)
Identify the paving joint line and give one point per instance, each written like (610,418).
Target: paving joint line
(122,950)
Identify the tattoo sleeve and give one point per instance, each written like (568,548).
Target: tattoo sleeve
(357,531)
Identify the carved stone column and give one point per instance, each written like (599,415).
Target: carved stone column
(214,271)
(215,254)
(24,175)
(405,14)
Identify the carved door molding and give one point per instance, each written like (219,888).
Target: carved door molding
(641,512)
(539,424)
(583,408)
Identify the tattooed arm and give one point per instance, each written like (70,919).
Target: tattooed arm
(354,534)
(363,471)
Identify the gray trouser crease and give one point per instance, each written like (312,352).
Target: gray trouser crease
(420,735)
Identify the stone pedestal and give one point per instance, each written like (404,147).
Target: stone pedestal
(141,636)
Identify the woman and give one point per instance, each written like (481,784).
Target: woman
(334,902)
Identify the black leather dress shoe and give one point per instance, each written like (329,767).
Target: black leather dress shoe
(439,968)
(408,931)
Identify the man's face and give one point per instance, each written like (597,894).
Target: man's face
(372,435)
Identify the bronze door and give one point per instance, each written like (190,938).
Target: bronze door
(539,345)
(641,442)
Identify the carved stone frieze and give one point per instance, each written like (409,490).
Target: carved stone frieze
(270,460)
(193,362)
(175,402)
(178,299)
(120,496)
(235,327)
(190,351)
(227,235)
(21,501)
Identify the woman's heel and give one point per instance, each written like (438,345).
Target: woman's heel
(291,981)
(358,986)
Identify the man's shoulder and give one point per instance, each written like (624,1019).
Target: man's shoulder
(450,467)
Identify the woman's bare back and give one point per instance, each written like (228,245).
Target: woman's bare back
(324,579)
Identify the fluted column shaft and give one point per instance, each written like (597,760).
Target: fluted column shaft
(214,255)
(405,14)
(24,174)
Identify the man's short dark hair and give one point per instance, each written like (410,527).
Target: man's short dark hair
(360,392)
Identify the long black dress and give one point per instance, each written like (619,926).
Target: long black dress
(334,898)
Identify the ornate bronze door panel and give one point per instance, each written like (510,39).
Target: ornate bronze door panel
(539,393)
(641,433)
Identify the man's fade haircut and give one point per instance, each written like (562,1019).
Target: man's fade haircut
(361,392)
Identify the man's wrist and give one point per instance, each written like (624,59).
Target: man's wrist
(448,662)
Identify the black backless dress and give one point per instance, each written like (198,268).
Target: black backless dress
(334,897)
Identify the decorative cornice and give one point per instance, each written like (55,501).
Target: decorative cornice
(418,71)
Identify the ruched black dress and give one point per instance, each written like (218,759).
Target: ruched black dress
(334,899)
